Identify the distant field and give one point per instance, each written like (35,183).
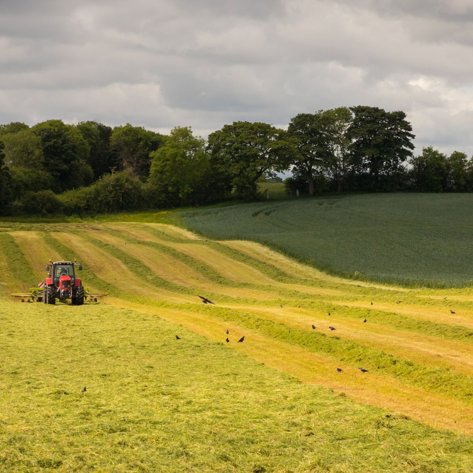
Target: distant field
(291,397)
(424,239)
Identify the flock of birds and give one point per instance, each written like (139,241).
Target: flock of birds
(205,300)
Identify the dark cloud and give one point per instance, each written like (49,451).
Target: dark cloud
(162,63)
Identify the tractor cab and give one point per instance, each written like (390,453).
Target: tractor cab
(62,271)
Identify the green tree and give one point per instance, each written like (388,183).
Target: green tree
(5,183)
(13,127)
(65,154)
(181,172)
(98,137)
(457,180)
(381,142)
(243,152)
(131,147)
(24,157)
(110,193)
(430,171)
(321,145)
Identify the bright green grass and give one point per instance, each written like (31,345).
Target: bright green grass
(272,190)
(423,239)
(154,403)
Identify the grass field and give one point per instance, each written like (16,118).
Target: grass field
(399,238)
(289,398)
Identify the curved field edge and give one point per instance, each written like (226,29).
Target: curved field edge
(123,260)
(407,239)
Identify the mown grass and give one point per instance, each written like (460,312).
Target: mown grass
(422,377)
(154,403)
(411,239)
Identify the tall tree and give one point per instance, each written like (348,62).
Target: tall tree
(180,171)
(430,171)
(457,180)
(243,152)
(24,157)
(13,127)
(381,142)
(98,136)
(65,154)
(321,145)
(131,147)
(5,183)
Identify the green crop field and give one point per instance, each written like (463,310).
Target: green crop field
(402,238)
(290,398)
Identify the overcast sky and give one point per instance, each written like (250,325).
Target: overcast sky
(206,63)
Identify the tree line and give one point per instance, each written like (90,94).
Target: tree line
(90,167)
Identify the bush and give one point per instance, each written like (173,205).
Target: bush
(111,193)
(44,202)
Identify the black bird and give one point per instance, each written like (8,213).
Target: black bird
(339,370)
(452,311)
(332,328)
(241,339)
(227,340)
(398,302)
(227,331)
(363,370)
(205,300)
(364,321)
(329,313)
(84,389)
(313,327)
(371,302)
(178,337)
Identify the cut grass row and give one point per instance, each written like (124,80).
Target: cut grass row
(154,403)
(122,266)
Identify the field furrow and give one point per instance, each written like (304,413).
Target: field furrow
(416,344)
(321,369)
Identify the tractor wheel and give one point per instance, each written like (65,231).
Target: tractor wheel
(78,297)
(49,295)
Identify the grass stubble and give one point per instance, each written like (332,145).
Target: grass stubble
(155,403)
(273,403)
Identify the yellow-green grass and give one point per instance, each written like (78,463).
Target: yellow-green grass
(155,403)
(418,354)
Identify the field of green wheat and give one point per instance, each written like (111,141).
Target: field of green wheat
(331,375)
(399,238)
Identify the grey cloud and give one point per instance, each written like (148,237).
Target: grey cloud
(209,62)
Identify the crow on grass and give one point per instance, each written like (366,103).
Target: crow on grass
(363,370)
(364,321)
(84,389)
(227,331)
(339,370)
(227,340)
(205,300)
(313,327)
(242,339)
(178,337)
(332,328)
(452,311)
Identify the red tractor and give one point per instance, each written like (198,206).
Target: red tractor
(62,283)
